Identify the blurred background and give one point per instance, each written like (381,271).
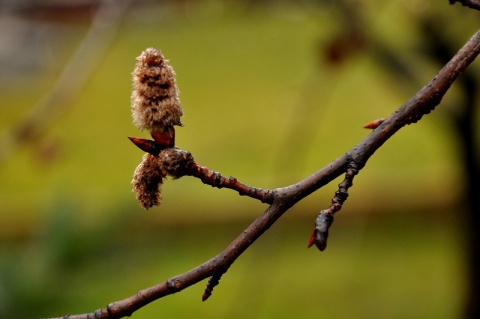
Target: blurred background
(271,91)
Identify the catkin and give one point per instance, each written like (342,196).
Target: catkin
(147,181)
(154,102)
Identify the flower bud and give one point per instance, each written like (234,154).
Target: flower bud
(155,103)
(373,125)
(320,234)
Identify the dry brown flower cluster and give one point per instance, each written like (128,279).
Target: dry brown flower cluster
(155,103)
(149,174)
(147,181)
(156,107)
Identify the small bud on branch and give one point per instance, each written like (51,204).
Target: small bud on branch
(148,146)
(374,124)
(320,234)
(325,217)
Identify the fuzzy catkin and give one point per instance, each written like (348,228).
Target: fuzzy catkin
(147,181)
(154,102)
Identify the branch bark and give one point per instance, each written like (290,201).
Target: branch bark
(473,4)
(284,198)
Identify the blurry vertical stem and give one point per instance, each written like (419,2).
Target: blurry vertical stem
(103,28)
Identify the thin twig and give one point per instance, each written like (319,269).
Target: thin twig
(325,217)
(178,163)
(341,194)
(212,283)
(215,179)
(412,111)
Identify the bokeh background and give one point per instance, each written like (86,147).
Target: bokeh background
(271,91)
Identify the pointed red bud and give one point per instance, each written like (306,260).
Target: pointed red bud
(312,240)
(146,145)
(374,124)
(320,234)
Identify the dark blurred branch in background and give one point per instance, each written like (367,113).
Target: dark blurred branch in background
(474,4)
(75,74)
(412,111)
(464,122)
(438,47)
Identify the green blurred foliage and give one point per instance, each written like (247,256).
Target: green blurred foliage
(261,104)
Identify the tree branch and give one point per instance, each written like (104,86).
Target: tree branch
(473,4)
(177,163)
(284,198)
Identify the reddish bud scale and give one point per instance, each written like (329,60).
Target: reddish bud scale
(165,139)
(146,145)
(374,124)
(312,240)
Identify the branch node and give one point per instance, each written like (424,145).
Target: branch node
(171,285)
